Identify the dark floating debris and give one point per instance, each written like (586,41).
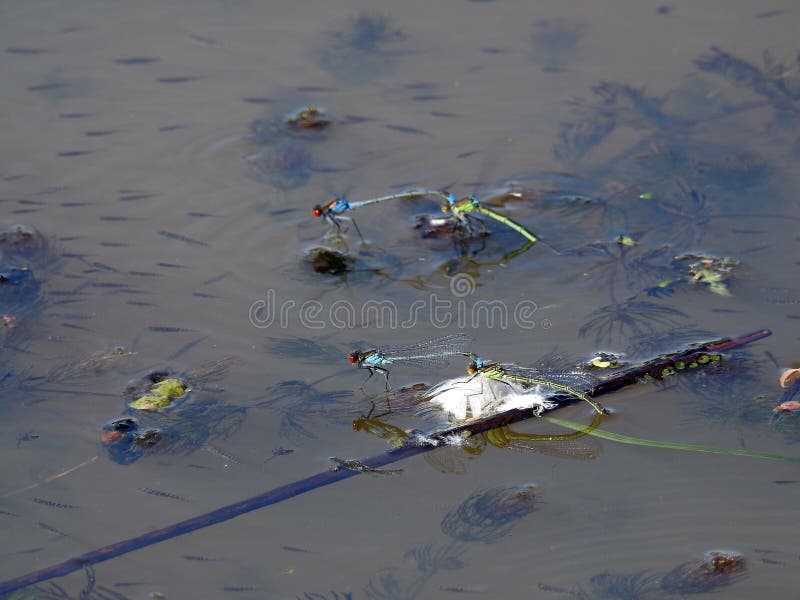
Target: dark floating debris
(184,79)
(309,117)
(329,262)
(27,51)
(406,129)
(136,60)
(181,238)
(74,153)
(28,436)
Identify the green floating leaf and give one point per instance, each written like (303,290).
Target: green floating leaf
(161,395)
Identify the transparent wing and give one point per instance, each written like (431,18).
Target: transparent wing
(586,448)
(434,352)
(572,378)
(447,460)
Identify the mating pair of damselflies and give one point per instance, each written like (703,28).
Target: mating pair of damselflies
(439,350)
(463,211)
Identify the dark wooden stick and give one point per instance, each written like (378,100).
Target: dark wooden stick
(628,376)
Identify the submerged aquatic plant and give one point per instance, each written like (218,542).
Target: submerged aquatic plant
(725,385)
(622,586)
(682,212)
(578,137)
(632,318)
(90,365)
(304,348)
(388,587)
(368,31)
(786,421)
(656,342)
(166,414)
(183,430)
(301,405)
(430,559)
(489,515)
(779,83)
(667,152)
(624,262)
(614,104)
(53,591)
(25,245)
(728,391)
(554,43)
(287,167)
(21,302)
(19,290)
(358,52)
(399,584)
(716,570)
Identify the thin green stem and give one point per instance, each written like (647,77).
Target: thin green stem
(625,439)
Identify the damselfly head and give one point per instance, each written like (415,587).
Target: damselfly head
(475,366)
(355,357)
(318,211)
(448,206)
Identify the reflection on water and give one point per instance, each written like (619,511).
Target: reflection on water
(158,176)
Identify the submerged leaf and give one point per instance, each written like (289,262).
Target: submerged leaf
(716,570)
(489,515)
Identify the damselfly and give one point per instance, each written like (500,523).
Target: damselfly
(461,209)
(430,353)
(333,211)
(569,382)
